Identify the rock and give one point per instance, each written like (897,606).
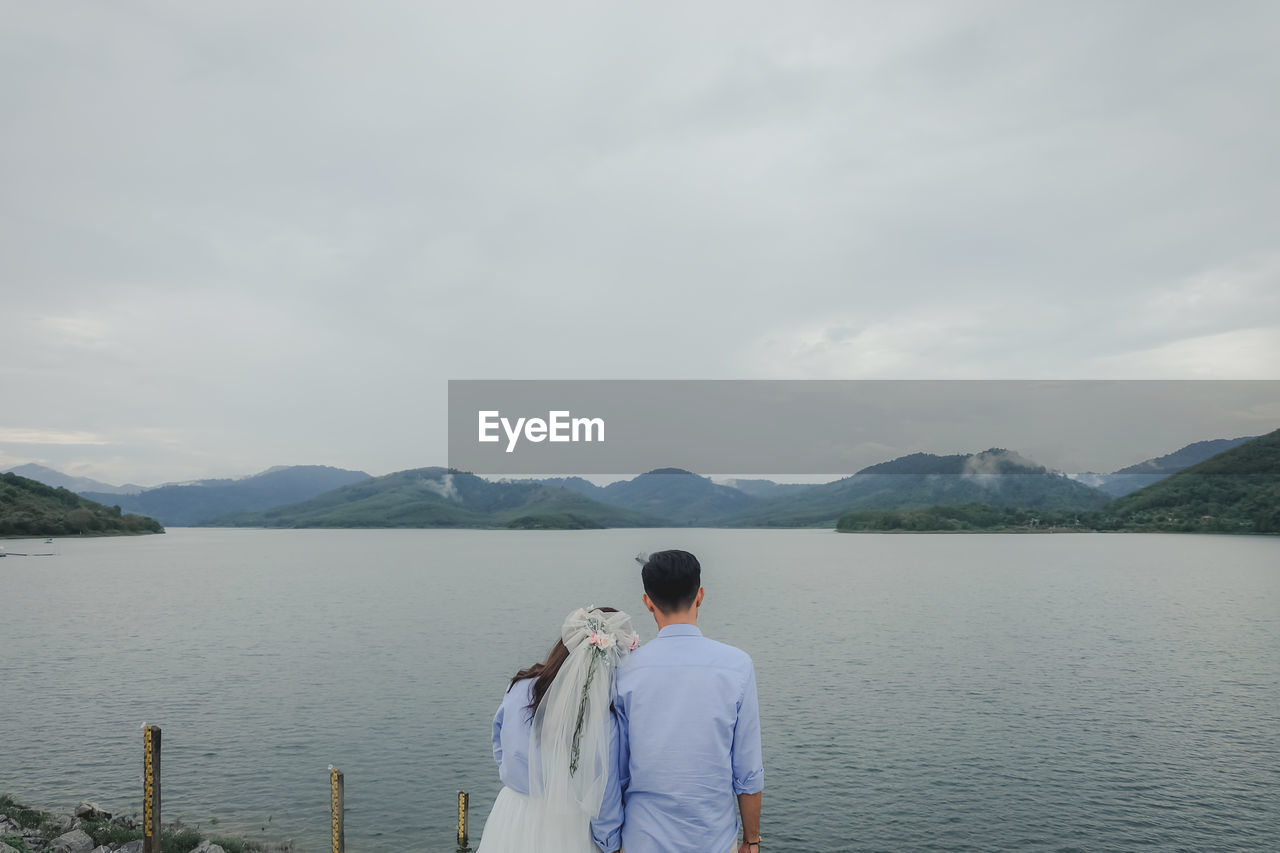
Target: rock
(91,811)
(101,849)
(131,847)
(208,846)
(127,821)
(5,848)
(75,841)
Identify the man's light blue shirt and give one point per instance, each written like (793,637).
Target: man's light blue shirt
(689,743)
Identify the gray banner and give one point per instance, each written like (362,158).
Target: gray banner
(831,428)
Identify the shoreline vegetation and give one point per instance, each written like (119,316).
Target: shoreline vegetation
(91,829)
(30,509)
(981,518)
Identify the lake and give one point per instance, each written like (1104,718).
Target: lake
(1081,692)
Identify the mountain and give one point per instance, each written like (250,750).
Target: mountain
(1236,491)
(440,497)
(681,497)
(193,504)
(1143,474)
(678,495)
(993,477)
(59,480)
(765,488)
(576,484)
(31,508)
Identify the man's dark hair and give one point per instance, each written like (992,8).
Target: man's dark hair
(671,580)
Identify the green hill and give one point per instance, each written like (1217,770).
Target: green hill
(993,477)
(195,503)
(1134,477)
(679,495)
(439,497)
(30,508)
(1237,491)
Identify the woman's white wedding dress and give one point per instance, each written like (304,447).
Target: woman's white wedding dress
(519,822)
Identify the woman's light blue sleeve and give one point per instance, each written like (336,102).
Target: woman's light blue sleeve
(497,733)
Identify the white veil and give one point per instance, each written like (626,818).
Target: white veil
(569,762)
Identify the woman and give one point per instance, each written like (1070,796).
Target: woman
(555,742)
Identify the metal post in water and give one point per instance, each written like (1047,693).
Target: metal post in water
(464,800)
(337,809)
(151,790)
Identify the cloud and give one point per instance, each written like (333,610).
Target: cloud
(278,229)
(443,486)
(1239,354)
(987,467)
(17,435)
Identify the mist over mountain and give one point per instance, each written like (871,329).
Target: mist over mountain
(995,477)
(440,497)
(59,480)
(204,500)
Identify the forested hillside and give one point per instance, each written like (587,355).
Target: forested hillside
(30,508)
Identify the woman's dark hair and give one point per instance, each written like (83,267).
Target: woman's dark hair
(546,672)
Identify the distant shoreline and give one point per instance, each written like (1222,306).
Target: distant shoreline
(99,535)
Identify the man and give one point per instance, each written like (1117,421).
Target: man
(689,727)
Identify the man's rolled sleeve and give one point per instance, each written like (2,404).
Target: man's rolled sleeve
(606,827)
(748,759)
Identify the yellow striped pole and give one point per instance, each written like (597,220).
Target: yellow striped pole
(336,807)
(464,800)
(151,790)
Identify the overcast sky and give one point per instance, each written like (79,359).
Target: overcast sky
(243,234)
